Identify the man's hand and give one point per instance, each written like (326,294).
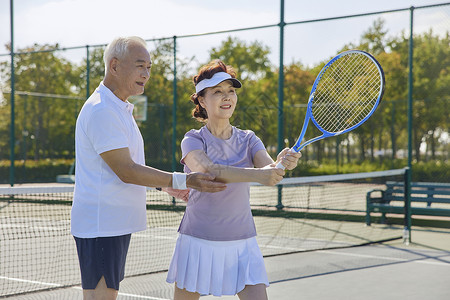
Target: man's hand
(204,183)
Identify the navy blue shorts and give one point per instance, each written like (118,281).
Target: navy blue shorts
(102,256)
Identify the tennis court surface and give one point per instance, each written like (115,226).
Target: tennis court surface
(316,247)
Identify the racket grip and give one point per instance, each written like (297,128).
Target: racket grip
(280,166)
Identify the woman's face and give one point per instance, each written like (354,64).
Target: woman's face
(219,101)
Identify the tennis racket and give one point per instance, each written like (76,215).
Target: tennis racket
(344,95)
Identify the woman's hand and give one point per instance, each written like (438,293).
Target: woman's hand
(288,158)
(179,194)
(269,175)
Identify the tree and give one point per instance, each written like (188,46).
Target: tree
(374,39)
(431,67)
(297,83)
(96,71)
(250,60)
(257,108)
(43,123)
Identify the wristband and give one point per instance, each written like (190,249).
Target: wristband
(179,181)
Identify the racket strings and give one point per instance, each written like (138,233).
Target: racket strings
(347,82)
(346,93)
(364,108)
(348,88)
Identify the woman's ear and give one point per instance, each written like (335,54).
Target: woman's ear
(201,101)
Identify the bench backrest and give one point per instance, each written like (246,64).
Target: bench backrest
(430,192)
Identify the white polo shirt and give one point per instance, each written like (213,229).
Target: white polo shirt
(103,205)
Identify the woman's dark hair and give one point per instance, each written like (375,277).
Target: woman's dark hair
(206,72)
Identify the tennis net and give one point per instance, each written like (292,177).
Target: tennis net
(38,253)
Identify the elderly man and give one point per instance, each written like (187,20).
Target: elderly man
(109,199)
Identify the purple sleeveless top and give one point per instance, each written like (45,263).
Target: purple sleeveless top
(225,215)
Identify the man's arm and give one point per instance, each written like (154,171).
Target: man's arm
(120,161)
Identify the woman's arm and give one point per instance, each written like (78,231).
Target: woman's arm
(198,161)
(289,159)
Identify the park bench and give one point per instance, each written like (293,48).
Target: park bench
(427,198)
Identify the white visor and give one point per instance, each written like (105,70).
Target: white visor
(215,80)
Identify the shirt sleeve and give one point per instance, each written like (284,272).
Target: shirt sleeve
(255,144)
(106,131)
(191,141)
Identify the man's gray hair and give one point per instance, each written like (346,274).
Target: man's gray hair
(118,48)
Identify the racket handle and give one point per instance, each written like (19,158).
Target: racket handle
(280,166)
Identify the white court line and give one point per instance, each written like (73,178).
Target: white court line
(141,297)
(364,256)
(78,288)
(52,228)
(284,248)
(131,295)
(161,237)
(387,258)
(30,281)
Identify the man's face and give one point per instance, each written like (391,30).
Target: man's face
(133,71)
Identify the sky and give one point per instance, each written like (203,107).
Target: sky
(92,22)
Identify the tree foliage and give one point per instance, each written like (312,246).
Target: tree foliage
(45,125)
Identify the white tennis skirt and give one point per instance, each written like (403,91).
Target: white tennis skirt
(216,267)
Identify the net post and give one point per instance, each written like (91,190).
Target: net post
(407,193)
(280,205)
(280,91)
(88,72)
(12,129)
(410,85)
(174,110)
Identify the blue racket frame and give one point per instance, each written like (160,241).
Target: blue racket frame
(309,116)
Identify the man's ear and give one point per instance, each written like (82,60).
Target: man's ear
(113,64)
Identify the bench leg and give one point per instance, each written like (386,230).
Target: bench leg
(368,219)
(383,218)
